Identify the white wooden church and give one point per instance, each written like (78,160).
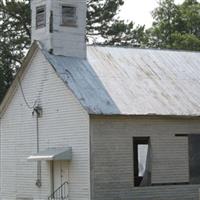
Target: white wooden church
(98,123)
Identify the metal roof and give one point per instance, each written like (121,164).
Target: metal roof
(128,81)
(52,154)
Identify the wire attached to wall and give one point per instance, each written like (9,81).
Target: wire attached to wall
(38,110)
(24,97)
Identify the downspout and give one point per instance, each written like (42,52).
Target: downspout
(38,111)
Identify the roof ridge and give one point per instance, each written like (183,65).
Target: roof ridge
(141,48)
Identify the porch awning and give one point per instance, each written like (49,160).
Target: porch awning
(53,154)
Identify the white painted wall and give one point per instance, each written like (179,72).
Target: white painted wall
(64,123)
(65,40)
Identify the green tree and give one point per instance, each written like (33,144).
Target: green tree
(14,39)
(185,41)
(176,26)
(190,16)
(103,27)
(165,18)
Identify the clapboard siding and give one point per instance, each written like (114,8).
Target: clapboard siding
(64,123)
(114,192)
(62,37)
(112,157)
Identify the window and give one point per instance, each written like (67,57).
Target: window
(141,154)
(69,17)
(194,158)
(40,17)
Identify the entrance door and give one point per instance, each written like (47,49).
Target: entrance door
(60,178)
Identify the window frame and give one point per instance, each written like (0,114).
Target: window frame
(36,17)
(69,18)
(189,137)
(193,161)
(138,141)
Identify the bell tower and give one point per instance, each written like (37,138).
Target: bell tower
(60,26)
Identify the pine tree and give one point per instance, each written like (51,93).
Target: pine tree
(104,27)
(14,39)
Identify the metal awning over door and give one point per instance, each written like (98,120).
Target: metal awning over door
(52,154)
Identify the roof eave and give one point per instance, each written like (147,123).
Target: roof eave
(148,115)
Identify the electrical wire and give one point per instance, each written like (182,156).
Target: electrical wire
(24,97)
(34,109)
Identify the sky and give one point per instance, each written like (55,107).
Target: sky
(139,11)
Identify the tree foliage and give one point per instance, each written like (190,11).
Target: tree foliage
(176,26)
(104,27)
(14,39)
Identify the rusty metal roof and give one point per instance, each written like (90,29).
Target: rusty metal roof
(127,81)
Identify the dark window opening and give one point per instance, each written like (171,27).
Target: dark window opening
(141,154)
(40,17)
(194,158)
(69,17)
